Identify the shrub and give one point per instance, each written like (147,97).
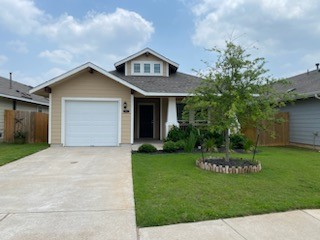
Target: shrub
(190,142)
(180,144)
(147,148)
(175,134)
(169,146)
(209,145)
(239,141)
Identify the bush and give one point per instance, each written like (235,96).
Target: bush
(180,144)
(147,148)
(209,145)
(239,141)
(190,142)
(170,147)
(175,134)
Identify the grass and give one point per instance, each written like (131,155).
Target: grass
(170,189)
(10,152)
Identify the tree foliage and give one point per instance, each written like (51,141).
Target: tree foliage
(236,89)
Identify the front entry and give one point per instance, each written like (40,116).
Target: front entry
(146,113)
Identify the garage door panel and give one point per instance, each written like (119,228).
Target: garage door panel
(91,123)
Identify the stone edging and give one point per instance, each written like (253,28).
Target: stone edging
(227,169)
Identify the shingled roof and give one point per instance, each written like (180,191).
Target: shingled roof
(305,85)
(20,92)
(176,83)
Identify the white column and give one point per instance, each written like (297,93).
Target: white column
(172,114)
(132,118)
(50,118)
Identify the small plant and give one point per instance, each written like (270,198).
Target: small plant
(190,142)
(180,144)
(209,145)
(175,134)
(147,148)
(170,147)
(239,141)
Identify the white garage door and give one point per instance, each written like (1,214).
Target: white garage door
(91,123)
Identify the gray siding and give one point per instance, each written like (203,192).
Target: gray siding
(304,120)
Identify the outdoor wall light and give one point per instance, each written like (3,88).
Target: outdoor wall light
(125,105)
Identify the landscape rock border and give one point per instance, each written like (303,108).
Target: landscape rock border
(228,169)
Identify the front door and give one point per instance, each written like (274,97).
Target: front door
(146,121)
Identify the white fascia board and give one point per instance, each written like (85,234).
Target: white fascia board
(24,100)
(155,94)
(80,68)
(144,51)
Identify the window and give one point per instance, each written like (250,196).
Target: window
(180,107)
(156,67)
(147,68)
(144,68)
(136,68)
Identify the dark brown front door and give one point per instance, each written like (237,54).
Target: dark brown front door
(146,121)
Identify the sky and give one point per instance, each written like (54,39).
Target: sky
(41,39)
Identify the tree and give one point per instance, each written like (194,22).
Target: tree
(236,90)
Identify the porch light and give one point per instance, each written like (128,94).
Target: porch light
(125,105)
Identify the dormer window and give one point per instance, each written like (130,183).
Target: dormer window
(156,68)
(144,68)
(136,68)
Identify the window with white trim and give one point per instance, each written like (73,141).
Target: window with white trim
(156,68)
(146,68)
(136,68)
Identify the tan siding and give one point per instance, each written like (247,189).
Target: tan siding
(88,85)
(4,104)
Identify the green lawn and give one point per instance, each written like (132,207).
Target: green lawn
(169,188)
(10,152)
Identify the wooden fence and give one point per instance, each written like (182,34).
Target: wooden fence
(34,124)
(281,131)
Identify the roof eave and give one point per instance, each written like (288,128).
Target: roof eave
(143,52)
(24,99)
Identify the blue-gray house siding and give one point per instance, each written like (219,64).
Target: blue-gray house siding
(304,121)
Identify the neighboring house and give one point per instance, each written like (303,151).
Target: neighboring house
(15,96)
(304,113)
(90,106)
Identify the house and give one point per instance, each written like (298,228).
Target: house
(304,113)
(90,106)
(15,96)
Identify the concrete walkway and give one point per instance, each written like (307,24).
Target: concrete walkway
(68,193)
(293,225)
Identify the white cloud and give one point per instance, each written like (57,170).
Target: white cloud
(118,33)
(18,46)
(21,16)
(264,21)
(115,31)
(3,59)
(57,56)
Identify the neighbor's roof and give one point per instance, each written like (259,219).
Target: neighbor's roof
(304,85)
(176,83)
(20,92)
(146,50)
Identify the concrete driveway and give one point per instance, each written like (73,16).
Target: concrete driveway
(68,193)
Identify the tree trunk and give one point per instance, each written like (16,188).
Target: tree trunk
(228,145)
